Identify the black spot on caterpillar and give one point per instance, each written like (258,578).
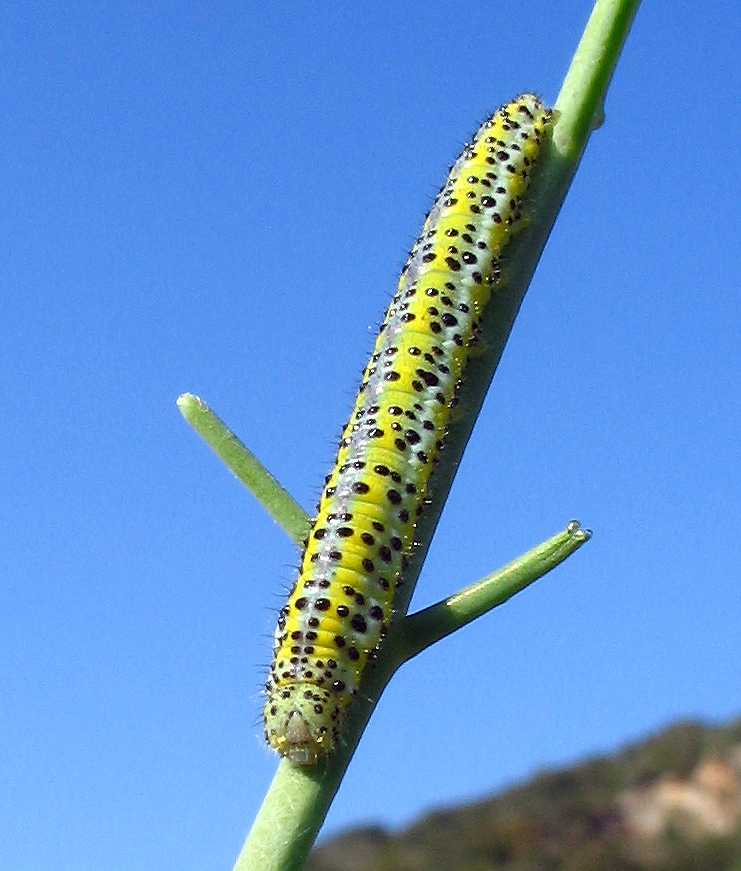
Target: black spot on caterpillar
(342,602)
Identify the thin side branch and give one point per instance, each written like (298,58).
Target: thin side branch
(277,501)
(420,630)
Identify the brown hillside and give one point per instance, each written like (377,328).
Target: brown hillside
(671,803)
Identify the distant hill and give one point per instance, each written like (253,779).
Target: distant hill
(672,802)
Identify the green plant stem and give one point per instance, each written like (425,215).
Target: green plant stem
(298,799)
(276,500)
(581,100)
(306,793)
(578,105)
(275,842)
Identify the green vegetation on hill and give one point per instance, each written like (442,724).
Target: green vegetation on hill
(671,803)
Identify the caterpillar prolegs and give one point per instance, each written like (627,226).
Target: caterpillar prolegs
(359,544)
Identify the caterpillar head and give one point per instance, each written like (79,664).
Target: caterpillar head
(302,722)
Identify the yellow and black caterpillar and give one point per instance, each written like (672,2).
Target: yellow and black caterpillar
(354,559)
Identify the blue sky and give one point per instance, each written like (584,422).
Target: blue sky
(219,200)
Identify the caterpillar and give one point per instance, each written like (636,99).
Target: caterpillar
(359,544)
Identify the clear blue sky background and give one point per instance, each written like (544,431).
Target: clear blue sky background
(218,199)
